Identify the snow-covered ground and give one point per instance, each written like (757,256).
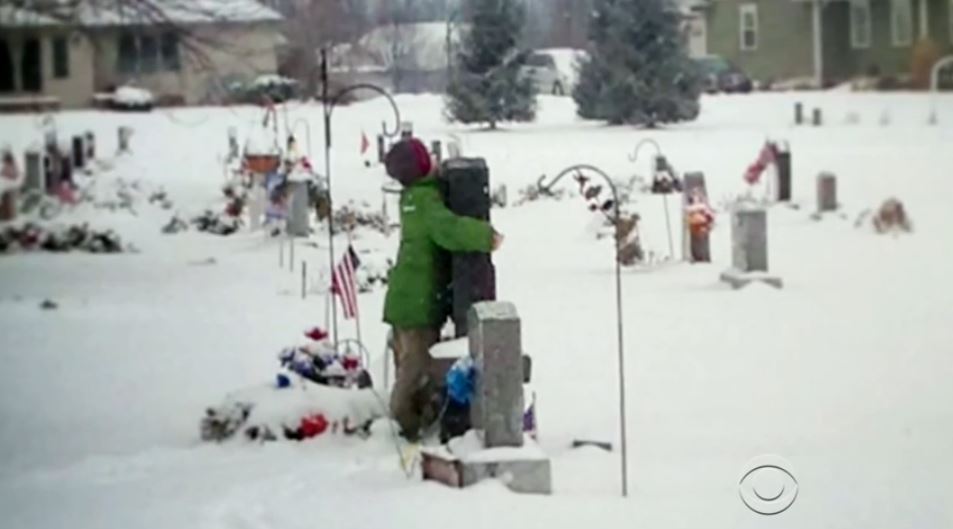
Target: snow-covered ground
(845,372)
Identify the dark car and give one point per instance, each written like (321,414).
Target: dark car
(721,75)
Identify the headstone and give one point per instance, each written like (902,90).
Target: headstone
(66,170)
(437,149)
(783,161)
(124,134)
(749,256)
(826,192)
(299,211)
(465,183)
(33,171)
(52,169)
(798,113)
(257,202)
(90,145)
(233,149)
(496,413)
(497,408)
(454,150)
(695,248)
(818,117)
(79,152)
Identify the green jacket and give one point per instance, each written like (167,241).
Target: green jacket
(428,230)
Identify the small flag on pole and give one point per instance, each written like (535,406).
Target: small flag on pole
(365,143)
(344,282)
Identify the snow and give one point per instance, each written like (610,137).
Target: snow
(469,449)
(845,372)
(451,348)
(269,80)
(132,96)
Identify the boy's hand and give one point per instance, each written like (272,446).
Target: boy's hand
(497,240)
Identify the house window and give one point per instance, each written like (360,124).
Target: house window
(148,54)
(860,28)
(60,57)
(128,54)
(901,22)
(749,26)
(170,51)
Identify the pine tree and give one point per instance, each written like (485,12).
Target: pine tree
(486,85)
(638,71)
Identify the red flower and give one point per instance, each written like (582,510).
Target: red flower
(313,426)
(317,334)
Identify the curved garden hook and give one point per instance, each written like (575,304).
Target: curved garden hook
(638,147)
(546,188)
(339,97)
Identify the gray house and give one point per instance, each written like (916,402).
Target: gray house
(823,41)
(181,55)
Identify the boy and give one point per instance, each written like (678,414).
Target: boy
(415,304)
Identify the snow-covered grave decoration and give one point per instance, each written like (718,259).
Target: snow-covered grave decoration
(890,218)
(749,245)
(31,237)
(698,219)
(496,447)
(318,390)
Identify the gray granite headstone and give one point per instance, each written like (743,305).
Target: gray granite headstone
(33,171)
(826,192)
(749,234)
(495,346)
(749,249)
(298,213)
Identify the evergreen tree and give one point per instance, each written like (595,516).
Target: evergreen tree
(637,71)
(486,85)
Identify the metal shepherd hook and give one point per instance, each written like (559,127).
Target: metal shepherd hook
(329,103)
(547,189)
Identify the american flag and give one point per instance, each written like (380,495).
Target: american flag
(344,282)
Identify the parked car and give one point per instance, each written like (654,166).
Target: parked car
(721,75)
(541,68)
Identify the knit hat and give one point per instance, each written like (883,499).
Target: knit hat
(408,161)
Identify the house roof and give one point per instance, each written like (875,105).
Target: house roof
(104,13)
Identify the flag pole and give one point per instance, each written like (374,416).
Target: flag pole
(357,295)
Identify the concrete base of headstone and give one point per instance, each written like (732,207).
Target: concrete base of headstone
(524,470)
(738,279)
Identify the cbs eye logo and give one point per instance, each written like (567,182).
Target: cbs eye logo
(767,485)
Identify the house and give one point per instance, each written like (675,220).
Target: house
(824,41)
(184,54)
(404,58)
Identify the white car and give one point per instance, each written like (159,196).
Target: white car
(541,68)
